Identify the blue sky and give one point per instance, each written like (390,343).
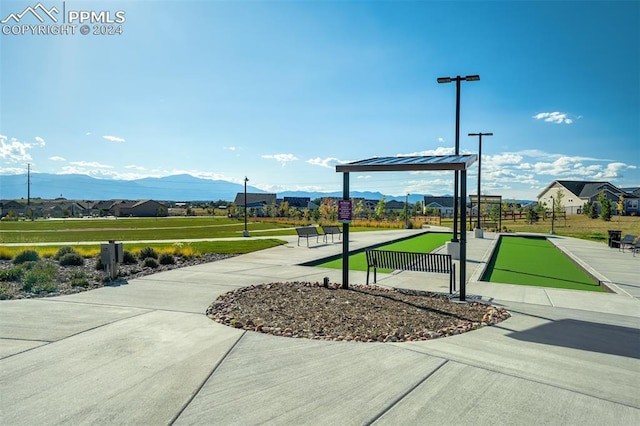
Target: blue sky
(282,92)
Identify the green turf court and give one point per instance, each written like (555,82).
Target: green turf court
(534,261)
(423,243)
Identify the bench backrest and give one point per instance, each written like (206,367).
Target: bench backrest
(409,261)
(331,229)
(307,230)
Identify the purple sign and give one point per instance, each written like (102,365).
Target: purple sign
(344,211)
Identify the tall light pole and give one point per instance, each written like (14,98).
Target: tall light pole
(480,135)
(456,202)
(246,231)
(406,212)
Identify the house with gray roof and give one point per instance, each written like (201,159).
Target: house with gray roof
(577,193)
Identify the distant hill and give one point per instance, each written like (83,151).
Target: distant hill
(182,187)
(81,187)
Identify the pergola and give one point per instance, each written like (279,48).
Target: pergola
(407,164)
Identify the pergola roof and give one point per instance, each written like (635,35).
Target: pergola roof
(413,163)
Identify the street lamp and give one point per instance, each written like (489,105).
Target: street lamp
(246,231)
(406,212)
(553,216)
(480,135)
(456,202)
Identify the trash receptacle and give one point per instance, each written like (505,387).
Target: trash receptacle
(614,238)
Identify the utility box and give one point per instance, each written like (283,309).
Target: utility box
(111,254)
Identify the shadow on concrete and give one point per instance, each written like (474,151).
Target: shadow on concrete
(586,336)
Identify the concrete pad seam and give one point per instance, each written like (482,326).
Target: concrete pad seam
(405,394)
(77,333)
(146,308)
(546,293)
(204,382)
(518,376)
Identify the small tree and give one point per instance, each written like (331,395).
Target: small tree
(380,207)
(620,205)
(606,207)
(558,205)
(532,216)
(358,207)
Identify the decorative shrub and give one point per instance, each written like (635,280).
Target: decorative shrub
(26,256)
(150,262)
(40,278)
(71,259)
(147,252)
(79,279)
(167,259)
(99,265)
(12,274)
(128,258)
(63,251)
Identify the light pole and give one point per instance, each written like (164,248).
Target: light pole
(406,212)
(456,202)
(553,216)
(246,231)
(480,135)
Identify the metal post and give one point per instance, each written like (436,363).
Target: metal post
(345,235)
(463,237)
(480,135)
(553,216)
(406,212)
(456,183)
(246,231)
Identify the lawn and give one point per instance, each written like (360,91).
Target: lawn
(131,229)
(534,261)
(423,243)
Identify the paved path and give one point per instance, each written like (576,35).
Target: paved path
(145,353)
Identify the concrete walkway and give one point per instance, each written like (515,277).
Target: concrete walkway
(144,353)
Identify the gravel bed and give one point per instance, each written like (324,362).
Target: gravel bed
(96,279)
(360,314)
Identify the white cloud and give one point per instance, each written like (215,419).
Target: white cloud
(281,158)
(15,151)
(57,158)
(114,139)
(134,167)
(441,150)
(91,164)
(329,162)
(554,117)
(230,148)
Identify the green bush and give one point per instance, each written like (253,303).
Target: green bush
(40,279)
(167,259)
(79,279)
(147,252)
(11,274)
(150,262)
(128,258)
(63,251)
(26,256)
(71,259)
(99,265)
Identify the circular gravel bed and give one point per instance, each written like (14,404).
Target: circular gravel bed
(359,314)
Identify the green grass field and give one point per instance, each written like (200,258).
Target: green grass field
(131,229)
(423,243)
(536,262)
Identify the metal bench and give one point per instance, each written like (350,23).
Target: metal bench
(306,232)
(412,261)
(331,230)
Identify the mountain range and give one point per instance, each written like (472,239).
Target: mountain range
(182,187)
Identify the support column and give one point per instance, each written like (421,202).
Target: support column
(463,235)
(345,235)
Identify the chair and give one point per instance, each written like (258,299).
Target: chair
(627,242)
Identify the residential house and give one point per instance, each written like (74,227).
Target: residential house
(576,193)
(140,208)
(258,203)
(392,206)
(14,206)
(443,204)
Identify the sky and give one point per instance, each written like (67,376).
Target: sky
(281,92)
